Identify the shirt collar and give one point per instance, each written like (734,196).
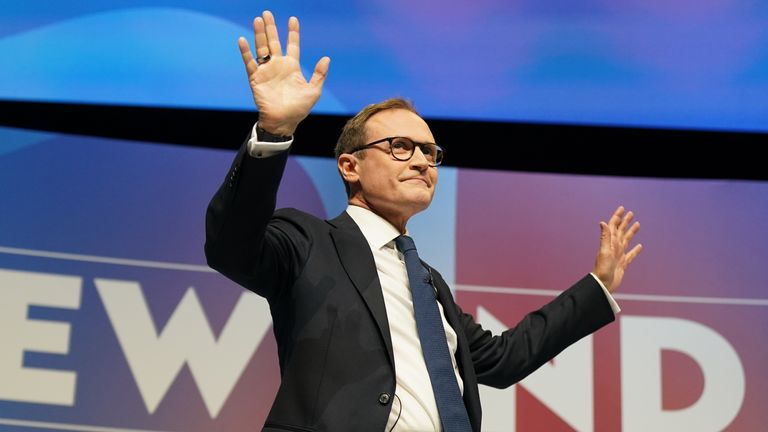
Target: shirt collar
(376,230)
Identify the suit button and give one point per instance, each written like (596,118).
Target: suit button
(384,398)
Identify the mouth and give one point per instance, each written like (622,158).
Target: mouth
(417,180)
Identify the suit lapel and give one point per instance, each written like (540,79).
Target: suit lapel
(356,258)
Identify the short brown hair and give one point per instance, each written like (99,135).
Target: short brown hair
(353,135)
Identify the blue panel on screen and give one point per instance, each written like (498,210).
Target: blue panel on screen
(687,64)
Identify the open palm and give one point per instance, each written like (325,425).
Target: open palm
(612,256)
(282,95)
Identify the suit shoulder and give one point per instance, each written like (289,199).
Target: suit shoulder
(299,217)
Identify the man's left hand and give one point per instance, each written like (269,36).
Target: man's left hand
(612,258)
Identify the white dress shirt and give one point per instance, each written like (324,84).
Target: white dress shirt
(415,402)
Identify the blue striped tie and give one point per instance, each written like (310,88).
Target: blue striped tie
(453,413)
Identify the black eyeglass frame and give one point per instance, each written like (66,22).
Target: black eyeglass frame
(439,152)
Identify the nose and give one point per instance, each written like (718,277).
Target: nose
(419,160)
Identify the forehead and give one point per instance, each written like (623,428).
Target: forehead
(398,122)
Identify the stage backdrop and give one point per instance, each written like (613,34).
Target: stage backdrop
(111,321)
(691,64)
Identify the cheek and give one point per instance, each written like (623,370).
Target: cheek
(382,184)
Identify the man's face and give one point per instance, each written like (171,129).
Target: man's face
(390,186)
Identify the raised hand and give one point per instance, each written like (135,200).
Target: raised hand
(282,94)
(612,259)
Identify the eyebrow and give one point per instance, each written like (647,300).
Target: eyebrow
(414,140)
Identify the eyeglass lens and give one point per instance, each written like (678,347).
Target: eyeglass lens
(403,149)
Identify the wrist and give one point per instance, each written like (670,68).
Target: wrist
(270,134)
(276,128)
(602,280)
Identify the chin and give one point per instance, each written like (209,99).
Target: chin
(422,201)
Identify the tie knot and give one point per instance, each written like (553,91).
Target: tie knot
(405,243)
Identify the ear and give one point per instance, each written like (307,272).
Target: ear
(348,166)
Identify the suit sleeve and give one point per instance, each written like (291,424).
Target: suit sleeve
(503,360)
(246,240)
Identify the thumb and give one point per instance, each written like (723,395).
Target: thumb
(321,71)
(604,231)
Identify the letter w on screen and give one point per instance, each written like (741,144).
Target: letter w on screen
(156,357)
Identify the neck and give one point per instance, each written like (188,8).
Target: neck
(397,219)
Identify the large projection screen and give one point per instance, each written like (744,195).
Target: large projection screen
(110,319)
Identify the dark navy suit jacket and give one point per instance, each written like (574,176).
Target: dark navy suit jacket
(334,345)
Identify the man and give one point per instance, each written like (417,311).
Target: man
(369,337)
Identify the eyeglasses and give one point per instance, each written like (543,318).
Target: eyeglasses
(402,149)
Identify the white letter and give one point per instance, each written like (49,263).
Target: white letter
(19,290)
(155,360)
(642,340)
(499,405)
(565,387)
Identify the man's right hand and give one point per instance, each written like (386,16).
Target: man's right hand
(282,94)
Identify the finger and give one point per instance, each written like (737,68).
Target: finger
(631,233)
(625,221)
(260,37)
(616,217)
(273,39)
(605,238)
(321,71)
(631,255)
(615,238)
(603,229)
(245,52)
(292,50)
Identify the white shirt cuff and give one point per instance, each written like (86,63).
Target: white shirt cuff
(614,306)
(263,149)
